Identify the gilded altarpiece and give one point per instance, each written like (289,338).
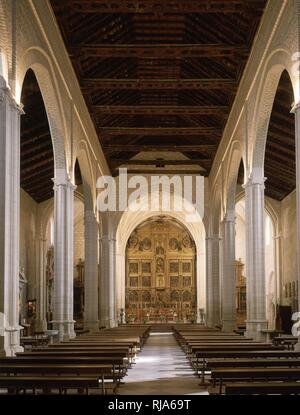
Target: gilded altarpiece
(160,273)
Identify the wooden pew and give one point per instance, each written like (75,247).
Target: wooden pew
(14,384)
(104,372)
(218,376)
(265,388)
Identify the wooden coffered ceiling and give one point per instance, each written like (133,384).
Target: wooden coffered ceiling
(159,79)
(159,76)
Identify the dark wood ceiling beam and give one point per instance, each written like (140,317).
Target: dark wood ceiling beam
(36,187)
(32,150)
(165,7)
(36,166)
(156,162)
(282,148)
(111,148)
(164,131)
(43,177)
(46,155)
(160,172)
(160,110)
(90,84)
(40,171)
(160,51)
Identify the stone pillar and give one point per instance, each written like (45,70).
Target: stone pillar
(255,258)
(212,281)
(63,256)
(91,317)
(228,274)
(296,111)
(41,322)
(10,113)
(108,312)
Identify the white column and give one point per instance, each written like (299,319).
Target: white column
(228,274)
(91,317)
(41,322)
(296,111)
(63,256)
(212,281)
(255,257)
(108,312)
(9,221)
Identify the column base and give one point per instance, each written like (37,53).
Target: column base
(40,325)
(65,330)
(253,330)
(228,325)
(212,323)
(10,343)
(297,346)
(109,323)
(91,325)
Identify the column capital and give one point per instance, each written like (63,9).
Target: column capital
(64,182)
(5,92)
(295,108)
(254,182)
(228,219)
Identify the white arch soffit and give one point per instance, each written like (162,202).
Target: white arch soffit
(89,186)
(37,60)
(232,171)
(4,42)
(3,67)
(279,61)
(130,220)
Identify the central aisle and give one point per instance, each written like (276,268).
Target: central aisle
(161,369)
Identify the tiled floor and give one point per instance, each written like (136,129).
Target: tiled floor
(161,369)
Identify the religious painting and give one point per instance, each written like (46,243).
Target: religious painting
(146,267)
(146,297)
(133,267)
(186,296)
(133,281)
(175,296)
(146,281)
(186,267)
(174,281)
(186,281)
(174,267)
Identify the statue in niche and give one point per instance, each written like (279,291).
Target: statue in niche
(160,265)
(160,250)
